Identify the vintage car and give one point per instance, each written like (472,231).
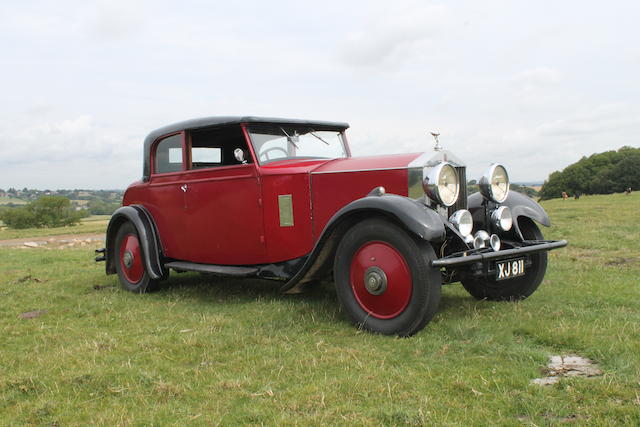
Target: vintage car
(283,199)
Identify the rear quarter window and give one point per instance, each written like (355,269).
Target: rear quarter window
(168,155)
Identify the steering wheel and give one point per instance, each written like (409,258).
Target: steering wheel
(268,150)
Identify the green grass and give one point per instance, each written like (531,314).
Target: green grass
(207,352)
(93,224)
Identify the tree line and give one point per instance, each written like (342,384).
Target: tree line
(602,173)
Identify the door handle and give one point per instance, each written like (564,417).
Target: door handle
(184,187)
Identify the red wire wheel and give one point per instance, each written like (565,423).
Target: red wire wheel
(130,261)
(380,280)
(384,279)
(131,258)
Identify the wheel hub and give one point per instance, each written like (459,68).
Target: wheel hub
(127,259)
(375,281)
(380,279)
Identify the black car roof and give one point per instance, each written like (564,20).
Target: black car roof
(205,122)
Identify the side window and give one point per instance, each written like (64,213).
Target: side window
(168,156)
(215,147)
(211,155)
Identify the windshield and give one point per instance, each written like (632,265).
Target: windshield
(275,142)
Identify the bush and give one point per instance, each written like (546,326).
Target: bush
(47,211)
(100,207)
(18,218)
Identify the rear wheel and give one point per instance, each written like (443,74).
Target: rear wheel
(384,279)
(519,287)
(129,262)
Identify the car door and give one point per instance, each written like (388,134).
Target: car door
(224,206)
(166,197)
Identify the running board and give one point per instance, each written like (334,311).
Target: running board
(223,270)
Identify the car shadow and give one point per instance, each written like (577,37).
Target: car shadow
(241,290)
(203,286)
(320,298)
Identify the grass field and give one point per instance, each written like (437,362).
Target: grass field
(224,352)
(93,224)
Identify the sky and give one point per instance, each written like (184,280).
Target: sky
(532,85)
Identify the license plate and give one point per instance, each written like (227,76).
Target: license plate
(509,269)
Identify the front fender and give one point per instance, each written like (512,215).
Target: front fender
(147,233)
(522,205)
(422,221)
(519,204)
(417,218)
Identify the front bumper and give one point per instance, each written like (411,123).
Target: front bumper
(472,256)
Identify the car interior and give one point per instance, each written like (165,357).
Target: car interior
(215,147)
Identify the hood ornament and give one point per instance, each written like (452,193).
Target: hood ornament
(436,146)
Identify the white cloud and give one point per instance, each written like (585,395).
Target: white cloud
(52,141)
(536,87)
(41,150)
(117,19)
(613,118)
(539,76)
(393,34)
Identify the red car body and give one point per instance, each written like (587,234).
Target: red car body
(247,230)
(284,199)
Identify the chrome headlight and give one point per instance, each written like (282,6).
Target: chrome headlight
(495,243)
(442,184)
(494,184)
(481,239)
(502,218)
(463,221)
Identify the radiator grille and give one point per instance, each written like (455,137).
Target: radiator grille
(461,203)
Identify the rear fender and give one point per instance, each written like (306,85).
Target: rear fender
(147,233)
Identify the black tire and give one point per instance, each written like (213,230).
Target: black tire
(520,287)
(134,278)
(408,294)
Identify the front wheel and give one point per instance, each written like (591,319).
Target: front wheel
(129,262)
(384,279)
(519,287)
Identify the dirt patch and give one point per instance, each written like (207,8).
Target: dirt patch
(553,419)
(620,261)
(58,242)
(33,314)
(567,366)
(29,278)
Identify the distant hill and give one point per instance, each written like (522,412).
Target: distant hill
(472,187)
(97,202)
(602,173)
(7,200)
(529,183)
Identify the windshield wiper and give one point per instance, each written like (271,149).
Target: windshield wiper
(312,133)
(291,138)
